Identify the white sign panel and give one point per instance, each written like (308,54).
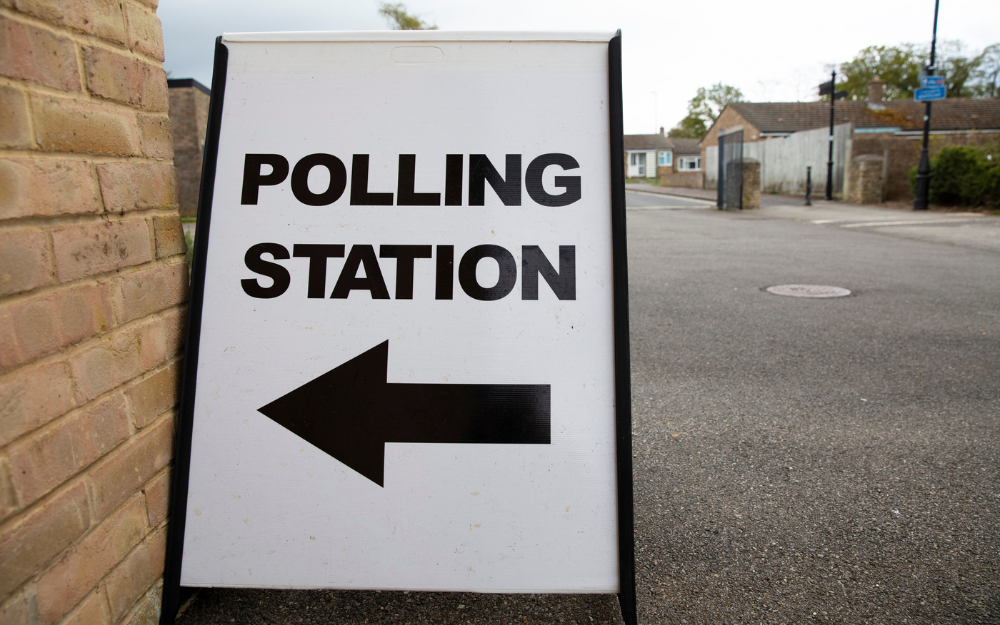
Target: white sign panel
(403,325)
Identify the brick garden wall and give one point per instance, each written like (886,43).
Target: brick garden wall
(92,285)
(689,179)
(189,120)
(903,153)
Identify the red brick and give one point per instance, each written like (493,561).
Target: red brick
(31,398)
(155,395)
(46,323)
(101,18)
(145,34)
(52,455)
(169,234)
(155,134)
(65,125)
(16,611)
(87,250)
(136,186)
(41,535)
(158,498)
(36,55)
(130,466)
(31,187)
(150,290)
(13,120)
(133,577)
(117,359)
(93,610)
(25,260)
(77,574)
(125,79)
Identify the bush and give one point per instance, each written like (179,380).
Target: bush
(963,176)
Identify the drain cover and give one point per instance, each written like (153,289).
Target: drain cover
(808,290)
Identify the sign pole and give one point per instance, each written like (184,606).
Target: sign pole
(924,169)
(829,161)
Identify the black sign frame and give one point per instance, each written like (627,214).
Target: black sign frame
(174,595)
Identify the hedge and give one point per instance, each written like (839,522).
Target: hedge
(963,176)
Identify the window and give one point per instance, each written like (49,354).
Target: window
(666,159)
(689,163)
(632,158)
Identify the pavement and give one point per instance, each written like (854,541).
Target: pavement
(796,460)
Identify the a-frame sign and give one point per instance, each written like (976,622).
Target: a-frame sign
(407,361)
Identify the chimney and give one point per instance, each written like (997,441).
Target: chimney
(661,131)
(876,89)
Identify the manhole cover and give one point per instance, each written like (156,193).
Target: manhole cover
(808,290)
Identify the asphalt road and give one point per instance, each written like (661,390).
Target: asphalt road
(796,460)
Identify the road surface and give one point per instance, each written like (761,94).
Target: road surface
(796,460)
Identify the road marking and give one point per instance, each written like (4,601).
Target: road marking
(665,207)
(684,197)
(908,222)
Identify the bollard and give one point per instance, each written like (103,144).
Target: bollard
(809,186)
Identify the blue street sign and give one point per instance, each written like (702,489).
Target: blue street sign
(931,81)
(929,94)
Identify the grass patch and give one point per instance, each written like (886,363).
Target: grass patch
(189,241)
(189,220)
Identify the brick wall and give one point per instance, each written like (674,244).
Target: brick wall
(92,285)
(189,121)
(903,153)
(689,179)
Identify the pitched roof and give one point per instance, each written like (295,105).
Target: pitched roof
(949,114)
(647,142)
(654,142)
(687,146)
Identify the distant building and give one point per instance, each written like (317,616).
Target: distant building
(891,129)
(675,162)
(188,119)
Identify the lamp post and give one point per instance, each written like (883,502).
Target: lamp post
(924,168)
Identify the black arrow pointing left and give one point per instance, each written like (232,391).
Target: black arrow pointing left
(351,412)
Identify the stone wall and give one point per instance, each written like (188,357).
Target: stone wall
(751,183)
(866,180)
(902,152)
(92,285)
(189,120)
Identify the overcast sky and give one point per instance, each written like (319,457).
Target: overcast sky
(775,50)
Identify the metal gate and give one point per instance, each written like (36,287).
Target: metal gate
(731,170)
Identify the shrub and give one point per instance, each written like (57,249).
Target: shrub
(964,176)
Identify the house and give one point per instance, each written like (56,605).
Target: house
(675,162)
(189,101)
(892,129)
